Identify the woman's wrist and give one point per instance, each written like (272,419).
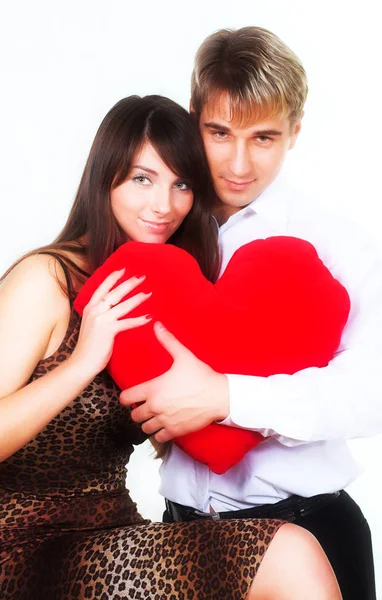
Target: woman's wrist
(80,370)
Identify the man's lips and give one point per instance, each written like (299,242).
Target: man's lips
(156,226)
(238,185)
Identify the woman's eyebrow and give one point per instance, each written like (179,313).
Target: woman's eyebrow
(145,169)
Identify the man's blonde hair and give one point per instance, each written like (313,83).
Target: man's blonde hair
(261,75)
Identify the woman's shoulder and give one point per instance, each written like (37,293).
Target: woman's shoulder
(36,273)
(43,283)
(34,312)
(54,269)
(35,285)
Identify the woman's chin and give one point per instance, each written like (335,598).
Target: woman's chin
(150,238)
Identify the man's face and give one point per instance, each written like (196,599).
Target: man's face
(243,160)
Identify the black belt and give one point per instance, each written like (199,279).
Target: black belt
(289,509)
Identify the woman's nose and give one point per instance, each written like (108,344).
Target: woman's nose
(161,202)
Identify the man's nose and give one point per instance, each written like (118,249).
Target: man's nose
(241,162)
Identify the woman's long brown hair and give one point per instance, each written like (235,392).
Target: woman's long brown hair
(91,230)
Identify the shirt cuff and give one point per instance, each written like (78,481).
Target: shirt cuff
(262,404)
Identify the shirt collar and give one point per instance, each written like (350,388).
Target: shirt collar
(271,205)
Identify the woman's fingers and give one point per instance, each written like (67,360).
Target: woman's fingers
(105,287)
(122,290)
(125,324)
(100,322)
(123,308)
(114,296)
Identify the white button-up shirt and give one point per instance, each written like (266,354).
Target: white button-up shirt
(311,414)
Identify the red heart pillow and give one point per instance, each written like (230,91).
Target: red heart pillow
(276,309)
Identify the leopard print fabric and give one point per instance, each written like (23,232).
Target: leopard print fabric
(69,529)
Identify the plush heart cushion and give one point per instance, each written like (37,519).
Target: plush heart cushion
(276,309)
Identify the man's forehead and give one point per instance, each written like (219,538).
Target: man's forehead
(241,115)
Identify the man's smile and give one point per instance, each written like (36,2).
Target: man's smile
(238,185)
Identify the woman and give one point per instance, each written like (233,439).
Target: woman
(68,528)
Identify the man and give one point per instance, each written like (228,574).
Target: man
(248,94)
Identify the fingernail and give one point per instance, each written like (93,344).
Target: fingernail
(148,317)
(160,326)
(141,277)
(122,270)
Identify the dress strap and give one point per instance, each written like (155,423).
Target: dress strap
(71,292)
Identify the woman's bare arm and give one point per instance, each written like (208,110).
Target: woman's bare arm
(32,304)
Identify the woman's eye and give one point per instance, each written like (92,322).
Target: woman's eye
(142,179)
(182,185)
(220,134)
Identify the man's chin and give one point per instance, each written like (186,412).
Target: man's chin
(237,201)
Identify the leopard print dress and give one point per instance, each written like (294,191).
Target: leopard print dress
(69,529)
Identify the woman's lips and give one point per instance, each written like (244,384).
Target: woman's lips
(156,226)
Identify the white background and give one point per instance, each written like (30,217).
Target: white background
(64,64)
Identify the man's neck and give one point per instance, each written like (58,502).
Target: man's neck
(222,212)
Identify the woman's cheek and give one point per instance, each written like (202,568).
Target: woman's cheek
(189,205)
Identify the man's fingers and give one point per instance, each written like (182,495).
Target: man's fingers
(134,395)
(169,341)
(151,426)
(141,414)
(163,436)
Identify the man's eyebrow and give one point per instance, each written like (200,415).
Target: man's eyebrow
(267,132)
(145,169)
(257,132)
(213,125)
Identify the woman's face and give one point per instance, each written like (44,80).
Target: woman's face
(152,202)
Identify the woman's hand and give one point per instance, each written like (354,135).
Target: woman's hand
(102,320)
(25,329)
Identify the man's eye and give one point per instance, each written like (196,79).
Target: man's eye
(263,138)
(142,179)
(220,134)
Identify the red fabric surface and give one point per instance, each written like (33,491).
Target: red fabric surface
(276,309)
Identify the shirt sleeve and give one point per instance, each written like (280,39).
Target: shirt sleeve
(342,400)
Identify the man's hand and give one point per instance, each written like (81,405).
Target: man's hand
(188,397)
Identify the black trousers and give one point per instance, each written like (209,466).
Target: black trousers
(343,533)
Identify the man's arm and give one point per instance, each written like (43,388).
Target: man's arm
(340,401)
(188,397)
